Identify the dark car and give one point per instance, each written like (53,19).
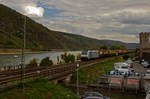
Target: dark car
(93,95)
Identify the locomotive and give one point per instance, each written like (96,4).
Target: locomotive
(90,54)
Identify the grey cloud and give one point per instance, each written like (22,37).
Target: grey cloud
(102,19)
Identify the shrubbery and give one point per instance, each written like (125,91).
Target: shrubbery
(68,58)
(104,47)
(126,56)
(33,63)
(46,62)
(79,57)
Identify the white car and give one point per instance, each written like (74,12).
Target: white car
(121,65)
(147,73)
(145,64)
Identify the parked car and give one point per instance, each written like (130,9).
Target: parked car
(135,58)
(147,73)
(141,61)
(145,64)
(93,95)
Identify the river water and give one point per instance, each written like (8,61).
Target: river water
(15,59)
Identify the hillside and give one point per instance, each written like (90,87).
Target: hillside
(38,37)
(97,42)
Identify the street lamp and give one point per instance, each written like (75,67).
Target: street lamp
(78,78)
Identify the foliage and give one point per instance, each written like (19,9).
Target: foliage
(136,51)
(68,58)
(33,63)
(79,57)
(38,89)
(46,62)
(104,47)
(126,56)
(90,74)
(117,47)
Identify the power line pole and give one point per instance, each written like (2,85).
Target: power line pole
(78,80)
(23,53)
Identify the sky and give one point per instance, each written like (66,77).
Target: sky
(120,20)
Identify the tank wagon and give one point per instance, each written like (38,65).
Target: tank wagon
(132,83)
(116,82)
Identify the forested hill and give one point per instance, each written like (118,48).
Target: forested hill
(38,37)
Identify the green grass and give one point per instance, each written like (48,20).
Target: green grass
(38,89)
(91,74)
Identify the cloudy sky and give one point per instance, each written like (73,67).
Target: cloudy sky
(119,20)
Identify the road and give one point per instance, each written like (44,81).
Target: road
(139,68)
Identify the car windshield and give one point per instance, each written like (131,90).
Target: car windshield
(124,67)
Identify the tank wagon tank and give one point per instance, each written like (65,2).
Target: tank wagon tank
(116,82)
(132,83)
(146,83)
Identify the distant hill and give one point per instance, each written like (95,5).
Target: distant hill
(128,45)
(39,37)
(97,42)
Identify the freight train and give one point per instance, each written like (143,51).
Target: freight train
(94,54)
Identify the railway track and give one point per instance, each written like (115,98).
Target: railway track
(50,72)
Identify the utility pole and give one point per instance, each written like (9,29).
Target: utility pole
(78,80)
(23,53)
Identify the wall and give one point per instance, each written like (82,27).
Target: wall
(145,44)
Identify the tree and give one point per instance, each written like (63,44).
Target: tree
(117,47)
(79,57)
(46,62)
(126,56)
(68,58)
(104,47)
(33,63)
(122,47)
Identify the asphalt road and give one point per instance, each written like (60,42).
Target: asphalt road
(139,68)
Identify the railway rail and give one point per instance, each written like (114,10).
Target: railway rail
(10,74)
(50,72)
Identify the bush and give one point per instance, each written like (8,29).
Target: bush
(126,56)
(33,63)
(118,47)
(46,62)
(104,47)
(68,58)
(79,57)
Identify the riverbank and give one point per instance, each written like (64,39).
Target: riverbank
(39,88)
(28,51)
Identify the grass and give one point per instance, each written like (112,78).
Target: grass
(38,89)
(91,74)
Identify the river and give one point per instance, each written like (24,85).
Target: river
(15,59)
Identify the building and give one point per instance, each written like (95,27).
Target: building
(145,45)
